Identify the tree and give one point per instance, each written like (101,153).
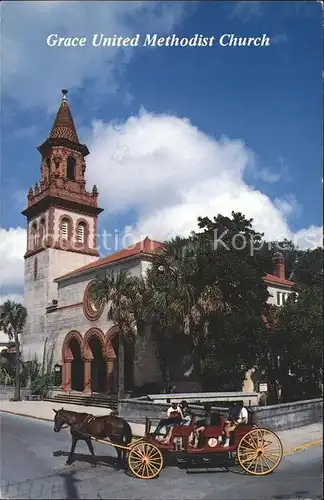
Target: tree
(213,291)
(12,322)
(178,302)
(300,334)
(124,295)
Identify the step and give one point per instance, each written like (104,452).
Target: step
(101,402)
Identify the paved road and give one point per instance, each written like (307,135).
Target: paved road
(33,457)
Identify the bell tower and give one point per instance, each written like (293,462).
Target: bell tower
(61,224)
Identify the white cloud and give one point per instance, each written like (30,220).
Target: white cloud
(288,205)
(170,173)
(311,237)
(12,248)
(33,73)
(12,296)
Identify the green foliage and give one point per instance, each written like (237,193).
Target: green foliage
(207,291)
(124,295)
(31,369)
(42,383)
(214,294)
(5,377)
(12,322)
(13,319)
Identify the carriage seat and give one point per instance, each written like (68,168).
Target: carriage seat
(213,431)
(184,430)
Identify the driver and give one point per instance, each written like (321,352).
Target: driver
(238,415)
(200,425)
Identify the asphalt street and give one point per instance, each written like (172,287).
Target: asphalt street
(33,466)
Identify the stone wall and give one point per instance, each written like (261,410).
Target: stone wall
(137,410)
(276,417)
(8,391)
(289,415)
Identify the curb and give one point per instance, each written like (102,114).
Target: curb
(291,451)
(41,418)
(25,415)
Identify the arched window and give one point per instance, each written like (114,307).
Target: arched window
(33,236)
(81,231)
(65,229)
(70,169)
(42,232)
(35,268)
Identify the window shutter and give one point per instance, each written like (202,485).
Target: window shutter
(80,233)
(64,229)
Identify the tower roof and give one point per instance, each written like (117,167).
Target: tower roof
(63,130)
(63,127)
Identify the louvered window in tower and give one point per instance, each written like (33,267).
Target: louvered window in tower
(80,233)
(65,229)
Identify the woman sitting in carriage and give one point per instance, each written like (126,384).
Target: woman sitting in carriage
(173,418)
(185,419)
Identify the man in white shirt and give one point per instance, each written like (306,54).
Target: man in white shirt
(239,415)
(173,409)
(173,416)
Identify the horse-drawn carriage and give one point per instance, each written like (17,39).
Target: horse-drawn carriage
(257,451)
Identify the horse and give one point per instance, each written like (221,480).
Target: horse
(83,426)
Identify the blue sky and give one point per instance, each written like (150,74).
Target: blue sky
(267,101)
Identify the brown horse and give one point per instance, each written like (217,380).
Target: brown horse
(84,425)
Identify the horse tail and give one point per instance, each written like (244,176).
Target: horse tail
(127,431)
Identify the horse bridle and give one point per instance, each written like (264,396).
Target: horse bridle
(66,424)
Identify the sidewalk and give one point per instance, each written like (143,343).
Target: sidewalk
(43,410)
(293,440)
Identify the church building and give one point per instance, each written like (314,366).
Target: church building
(61,262)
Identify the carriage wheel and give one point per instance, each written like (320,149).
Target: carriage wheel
(145,461)
(259,452)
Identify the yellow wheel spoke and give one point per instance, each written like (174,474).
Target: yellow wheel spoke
(249,466)
(259,452)
(269,458)
(248,459)
(249,448)
(149,466)
(252,442)
(266,463)
(145,461)
(140,457)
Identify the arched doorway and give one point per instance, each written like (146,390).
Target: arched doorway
(98,366)
(128,363)
(77,374)
(73,366)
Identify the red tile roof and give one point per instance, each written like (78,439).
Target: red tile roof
(145,247)
(275,280)
(63,127)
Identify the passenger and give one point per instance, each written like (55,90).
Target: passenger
(185,419)
(173,417)
(201,425)
(238,415)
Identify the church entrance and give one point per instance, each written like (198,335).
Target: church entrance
(77,378)
(98,367)
(128,364)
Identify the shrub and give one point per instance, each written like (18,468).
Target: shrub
(42,383)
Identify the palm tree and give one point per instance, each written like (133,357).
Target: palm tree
(12,322)
(182,297)
(123,294)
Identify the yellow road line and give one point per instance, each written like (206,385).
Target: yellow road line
(304,446)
